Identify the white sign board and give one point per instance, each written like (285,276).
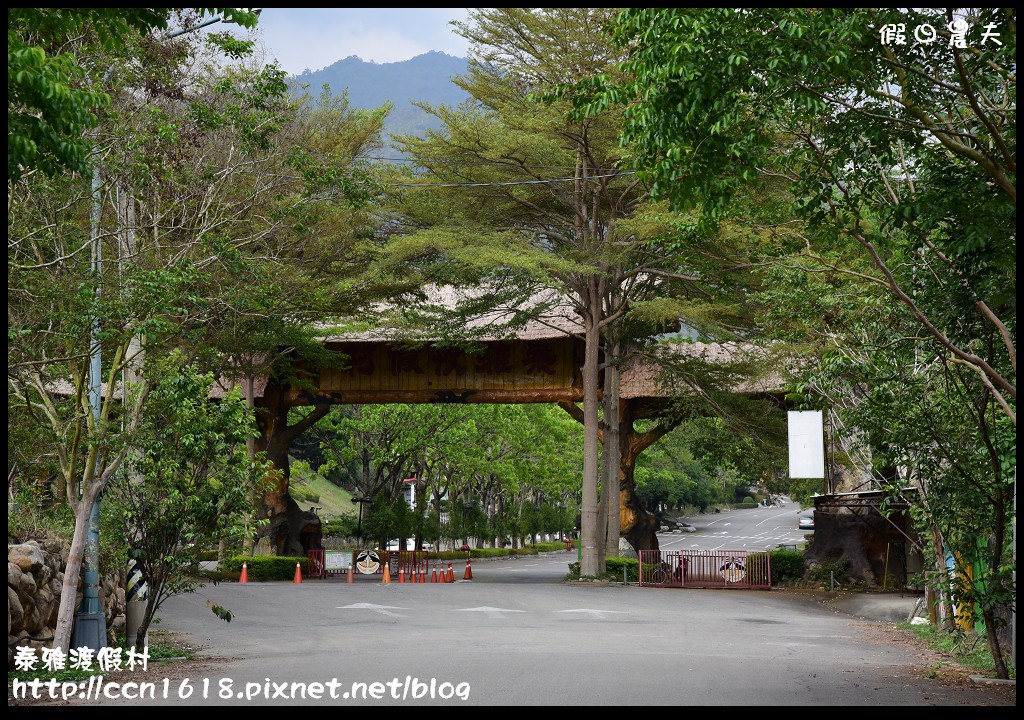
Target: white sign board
(806,444)
(337,560)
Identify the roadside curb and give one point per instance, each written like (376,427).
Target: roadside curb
(982,680)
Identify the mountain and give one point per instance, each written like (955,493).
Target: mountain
(425,77)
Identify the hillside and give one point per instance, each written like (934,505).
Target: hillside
(425,77)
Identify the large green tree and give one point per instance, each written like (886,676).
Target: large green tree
(900,162)
(212,179)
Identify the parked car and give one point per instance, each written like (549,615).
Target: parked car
(806,521)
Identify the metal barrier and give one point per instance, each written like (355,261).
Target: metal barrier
(323,563)
(409,560)
(705,568)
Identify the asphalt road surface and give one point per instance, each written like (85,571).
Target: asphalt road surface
(527,643)
(758,528)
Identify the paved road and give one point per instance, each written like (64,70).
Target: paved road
(754,529)
(545,643)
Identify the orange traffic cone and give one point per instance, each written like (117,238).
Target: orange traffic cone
(401,574)
(433,578)
(298,574)
(423,574)
(386,580)
(451,574)
(245,573)
(351,578)
(468,575)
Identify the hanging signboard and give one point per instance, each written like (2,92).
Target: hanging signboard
(806,444)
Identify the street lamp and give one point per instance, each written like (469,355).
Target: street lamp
(362,500)
(90,628)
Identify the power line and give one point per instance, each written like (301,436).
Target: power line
(502,163)
(518,182)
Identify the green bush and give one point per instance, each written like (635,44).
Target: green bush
(787,565)
(745,505)
(490,552)
(827,570)
(613,568)
(341,526)
(522,551)
(553,545)
(266,567)
(748,499)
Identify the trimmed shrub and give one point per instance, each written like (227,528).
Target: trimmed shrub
(745,505)
(613,568)
(266,567)
(553,545)
(489,552)
(523,551)
(787,565)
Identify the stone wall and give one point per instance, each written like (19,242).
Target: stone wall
(34,577)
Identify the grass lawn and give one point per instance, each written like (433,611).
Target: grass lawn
(333,499)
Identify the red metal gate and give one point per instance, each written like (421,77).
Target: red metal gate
(409,560)
(705,568)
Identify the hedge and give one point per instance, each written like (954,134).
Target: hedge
(786,565)
(613,568)
(553,545)
(267,567)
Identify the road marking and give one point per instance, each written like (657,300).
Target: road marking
(787,512)
(380,609)
(597,614)
(492,612)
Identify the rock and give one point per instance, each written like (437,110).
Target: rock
(118,624)
(15,610)
(33,623)
(27,586)
(688,528)
(625,549)
(13,575)
(28,556)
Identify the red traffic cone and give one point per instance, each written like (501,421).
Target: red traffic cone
(401,574)
(433,578)
(468,575)
(451,574)
(244,578)
(351,577)
(298,574)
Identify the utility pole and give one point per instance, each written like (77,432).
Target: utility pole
(90,628)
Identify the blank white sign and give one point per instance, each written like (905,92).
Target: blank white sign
(806,444)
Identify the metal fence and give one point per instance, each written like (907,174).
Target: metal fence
(705,568)
(323,563)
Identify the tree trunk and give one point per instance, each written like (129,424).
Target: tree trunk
(291,531)
(69,588)
(589,563)
(612,451)
(638,526)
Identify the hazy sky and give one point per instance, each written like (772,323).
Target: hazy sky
(314,38)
